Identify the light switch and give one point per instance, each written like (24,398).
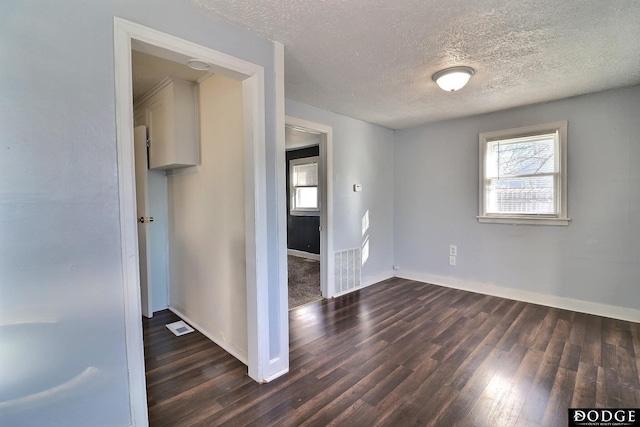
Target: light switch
(357,188)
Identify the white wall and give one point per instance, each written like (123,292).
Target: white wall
(61,284)
(362,154)
(595,259)
(206,227)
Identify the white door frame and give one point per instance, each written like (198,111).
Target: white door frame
(252,77)
(327,261)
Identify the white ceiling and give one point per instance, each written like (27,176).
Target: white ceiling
(373,59)
(148,70)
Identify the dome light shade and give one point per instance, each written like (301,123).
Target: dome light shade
(454,78)
(198,64)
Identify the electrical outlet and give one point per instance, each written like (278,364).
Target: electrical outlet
(452,260)
(396,267)
(453,250)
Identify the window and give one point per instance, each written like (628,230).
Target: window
(305,197)
(523,175)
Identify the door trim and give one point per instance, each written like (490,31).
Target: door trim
(252,76)
(327,261)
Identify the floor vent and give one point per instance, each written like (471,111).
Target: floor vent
(179,328)
(347,268)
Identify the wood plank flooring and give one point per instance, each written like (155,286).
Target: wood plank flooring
(403,353)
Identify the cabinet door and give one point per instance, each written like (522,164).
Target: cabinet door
(160,130)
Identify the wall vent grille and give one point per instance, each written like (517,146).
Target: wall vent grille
(348,270)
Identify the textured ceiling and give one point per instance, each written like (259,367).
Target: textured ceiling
(373,59)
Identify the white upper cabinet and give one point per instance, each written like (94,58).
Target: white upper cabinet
(170,110)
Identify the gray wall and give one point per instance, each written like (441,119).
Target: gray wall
(61,295)
(362,154)
(596,258)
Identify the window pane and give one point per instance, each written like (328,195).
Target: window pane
(306,198)
(523,175)
(522,158)
(532,195)
(305,175)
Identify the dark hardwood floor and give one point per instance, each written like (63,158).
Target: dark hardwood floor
(403,353)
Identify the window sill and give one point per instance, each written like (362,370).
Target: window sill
(523,220)
(304,213)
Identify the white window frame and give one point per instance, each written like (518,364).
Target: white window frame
(293,209)
(560,177)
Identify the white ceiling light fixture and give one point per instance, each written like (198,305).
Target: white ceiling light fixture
(454,78)
(198,64)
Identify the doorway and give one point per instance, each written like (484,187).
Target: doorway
(303,134)
(262,365)
(199,211)
(303,216)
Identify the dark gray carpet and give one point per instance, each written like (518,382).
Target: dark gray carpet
(304,281)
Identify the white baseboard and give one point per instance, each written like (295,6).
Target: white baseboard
(368,281)
(598,309)
(274,376)
(376,278)
(303,254)
(234,352)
